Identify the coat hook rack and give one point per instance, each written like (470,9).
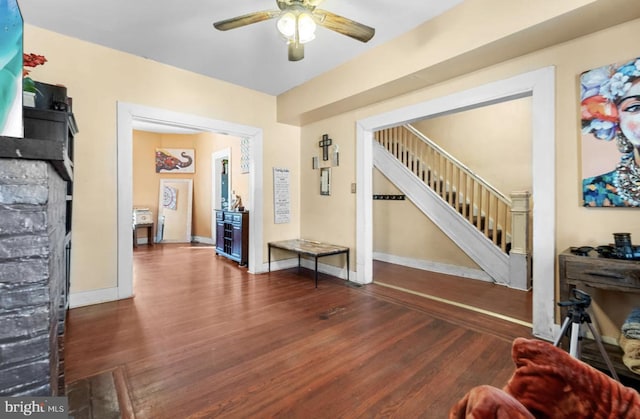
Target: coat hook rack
(389,197)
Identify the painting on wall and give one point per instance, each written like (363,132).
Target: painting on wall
(11,69)
(175,160)
(610,115)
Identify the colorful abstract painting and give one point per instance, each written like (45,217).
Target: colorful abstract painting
(610,116)
(11,69)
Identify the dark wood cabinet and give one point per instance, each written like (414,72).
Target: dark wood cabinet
(232,235)
(594,271)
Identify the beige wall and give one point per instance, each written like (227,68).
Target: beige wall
(493,141)
(146,182)
(575,225)
(97,78)
(457,59)
(401,229)
(474,35)
(206,144)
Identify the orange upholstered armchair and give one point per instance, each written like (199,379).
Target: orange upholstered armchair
(550,383)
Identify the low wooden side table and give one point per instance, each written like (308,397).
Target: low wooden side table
(149,228)
(595,271)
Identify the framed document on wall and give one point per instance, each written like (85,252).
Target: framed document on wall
(325,181)
(281,196)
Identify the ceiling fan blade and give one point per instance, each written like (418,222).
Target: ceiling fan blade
(244,20)
(296,51)
(344,26)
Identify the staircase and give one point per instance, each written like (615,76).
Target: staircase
(475,215)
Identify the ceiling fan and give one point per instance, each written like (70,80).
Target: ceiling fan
(297,21)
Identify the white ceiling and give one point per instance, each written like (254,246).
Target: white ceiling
(180,33)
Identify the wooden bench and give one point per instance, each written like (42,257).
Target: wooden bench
(309,248)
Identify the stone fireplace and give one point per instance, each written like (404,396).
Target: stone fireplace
(35,244)
(33,278)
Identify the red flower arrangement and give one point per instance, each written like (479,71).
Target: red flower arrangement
(31,61)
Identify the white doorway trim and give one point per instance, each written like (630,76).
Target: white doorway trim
(540,85)
(126,114)
(216,165)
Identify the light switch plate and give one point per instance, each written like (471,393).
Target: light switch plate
(353,188)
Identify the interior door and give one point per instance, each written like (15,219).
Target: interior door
(220,185)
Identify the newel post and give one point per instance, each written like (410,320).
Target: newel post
(519,260)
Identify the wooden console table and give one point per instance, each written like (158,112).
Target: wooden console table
(309,248)
(602,273)
(149,228)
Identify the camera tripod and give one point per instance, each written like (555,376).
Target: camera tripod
(577,316)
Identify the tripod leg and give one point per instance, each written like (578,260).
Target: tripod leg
(563,330)
(603,351)
(574,349)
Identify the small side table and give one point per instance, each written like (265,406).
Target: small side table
(149,228)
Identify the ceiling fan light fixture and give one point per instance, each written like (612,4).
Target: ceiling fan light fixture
(296,25)
(297,20)
(287,25)
(306,28)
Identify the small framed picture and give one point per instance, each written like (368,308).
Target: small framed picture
(314,162)
(325,181)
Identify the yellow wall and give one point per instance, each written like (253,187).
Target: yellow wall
(473,35)
(493,141)
(206,144)
(146,182)
(97,78)
(575,225)
(456,60)
(401,229)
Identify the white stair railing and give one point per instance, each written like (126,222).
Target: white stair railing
(474,198)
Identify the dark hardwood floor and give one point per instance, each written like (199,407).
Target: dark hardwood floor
(479,296)
(203,338)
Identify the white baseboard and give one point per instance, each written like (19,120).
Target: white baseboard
(442,268)
(201,239)
(86,298)
(278,265)
(338,272)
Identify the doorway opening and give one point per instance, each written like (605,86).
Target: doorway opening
(220,185)
(540,85)
(126,115)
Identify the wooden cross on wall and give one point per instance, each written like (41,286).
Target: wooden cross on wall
(325,143)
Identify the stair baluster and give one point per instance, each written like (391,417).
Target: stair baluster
(472,197)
